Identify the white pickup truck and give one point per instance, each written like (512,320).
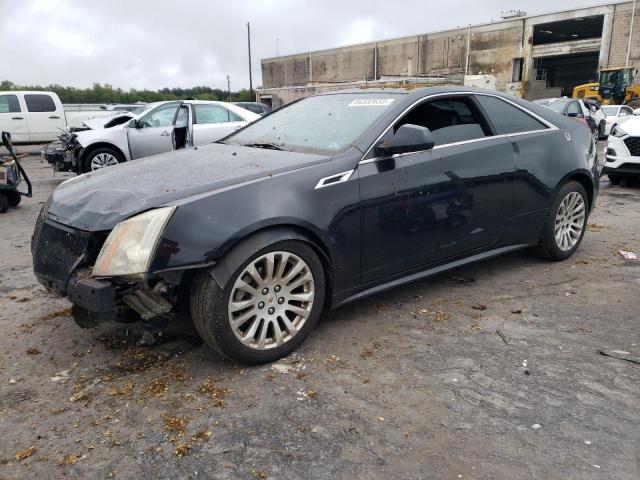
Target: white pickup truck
(36,116)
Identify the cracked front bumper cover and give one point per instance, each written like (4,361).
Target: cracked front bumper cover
(97,296)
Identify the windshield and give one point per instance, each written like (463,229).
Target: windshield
(322,124)
(610,111)
(609,78)
(147,108)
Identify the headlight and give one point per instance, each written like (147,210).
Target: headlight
(618,132)
(129,246)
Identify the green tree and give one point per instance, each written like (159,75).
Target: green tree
(105,93)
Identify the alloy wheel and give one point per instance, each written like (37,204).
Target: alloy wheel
(271,300)
(102,160)
(570,221)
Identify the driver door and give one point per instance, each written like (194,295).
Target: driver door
(154,132)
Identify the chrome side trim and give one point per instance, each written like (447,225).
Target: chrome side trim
(333,179)
(455,144)
(551,126)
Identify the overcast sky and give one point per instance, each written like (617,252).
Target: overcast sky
(157,43)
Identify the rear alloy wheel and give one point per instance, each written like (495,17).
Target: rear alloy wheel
(268,307)
(566,222)
(101,158)
(570,221)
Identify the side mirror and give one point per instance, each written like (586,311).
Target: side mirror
(133,123)
(408,138)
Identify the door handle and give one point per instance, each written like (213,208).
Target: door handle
(17,118)
(164,134)
(237,128)
(55,117)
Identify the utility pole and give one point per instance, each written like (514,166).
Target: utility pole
(250,76)
(228,88)
(633,17)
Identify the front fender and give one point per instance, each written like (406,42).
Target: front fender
(113,136)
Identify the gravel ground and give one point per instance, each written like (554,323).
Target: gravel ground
(413,383)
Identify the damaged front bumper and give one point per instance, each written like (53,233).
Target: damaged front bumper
(97,300)
(62,260)
(63,155)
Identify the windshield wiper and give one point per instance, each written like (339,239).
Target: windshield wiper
(269,146)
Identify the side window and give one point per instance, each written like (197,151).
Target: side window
(209,114)
(627,111)
(160,117)
(573,110)
(507,118)
(450,120)
(39,103)
(9,104)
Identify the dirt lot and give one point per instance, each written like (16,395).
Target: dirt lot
(414,383)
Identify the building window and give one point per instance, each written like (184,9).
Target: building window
(518,68)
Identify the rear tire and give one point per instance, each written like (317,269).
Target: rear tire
(615,179)
(13,198)
(264,328)
(4,203)
(566,223)
(99,158)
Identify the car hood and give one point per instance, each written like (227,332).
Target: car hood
(115,119)
(631,126)
(98,200)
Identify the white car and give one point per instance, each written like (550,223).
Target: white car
(161,127)
(623,151)
(616,115)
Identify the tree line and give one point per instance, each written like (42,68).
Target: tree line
(106,93)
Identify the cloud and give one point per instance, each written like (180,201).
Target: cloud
(161,43)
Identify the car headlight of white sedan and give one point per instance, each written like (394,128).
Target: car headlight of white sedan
(130,245)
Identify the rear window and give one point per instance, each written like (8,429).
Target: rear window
(9,104)
(507,118)
(208,114)
(39,103)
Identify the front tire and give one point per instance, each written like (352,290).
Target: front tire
(566,223)
(601,130)
(101,158)
(615,179)
(268,307)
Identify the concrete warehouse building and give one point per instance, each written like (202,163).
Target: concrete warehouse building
(531,56)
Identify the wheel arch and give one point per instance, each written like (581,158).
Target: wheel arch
(233,254)
(583,179)
(94,146)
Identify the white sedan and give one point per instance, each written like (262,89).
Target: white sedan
(616,114)
(161,127)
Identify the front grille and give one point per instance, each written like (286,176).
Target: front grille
(633,144)
(58,249)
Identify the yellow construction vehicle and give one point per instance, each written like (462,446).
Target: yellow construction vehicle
(616,87)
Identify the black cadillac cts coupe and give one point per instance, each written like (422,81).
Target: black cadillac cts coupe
(323,202)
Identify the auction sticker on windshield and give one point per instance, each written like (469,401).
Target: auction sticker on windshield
(369,102)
